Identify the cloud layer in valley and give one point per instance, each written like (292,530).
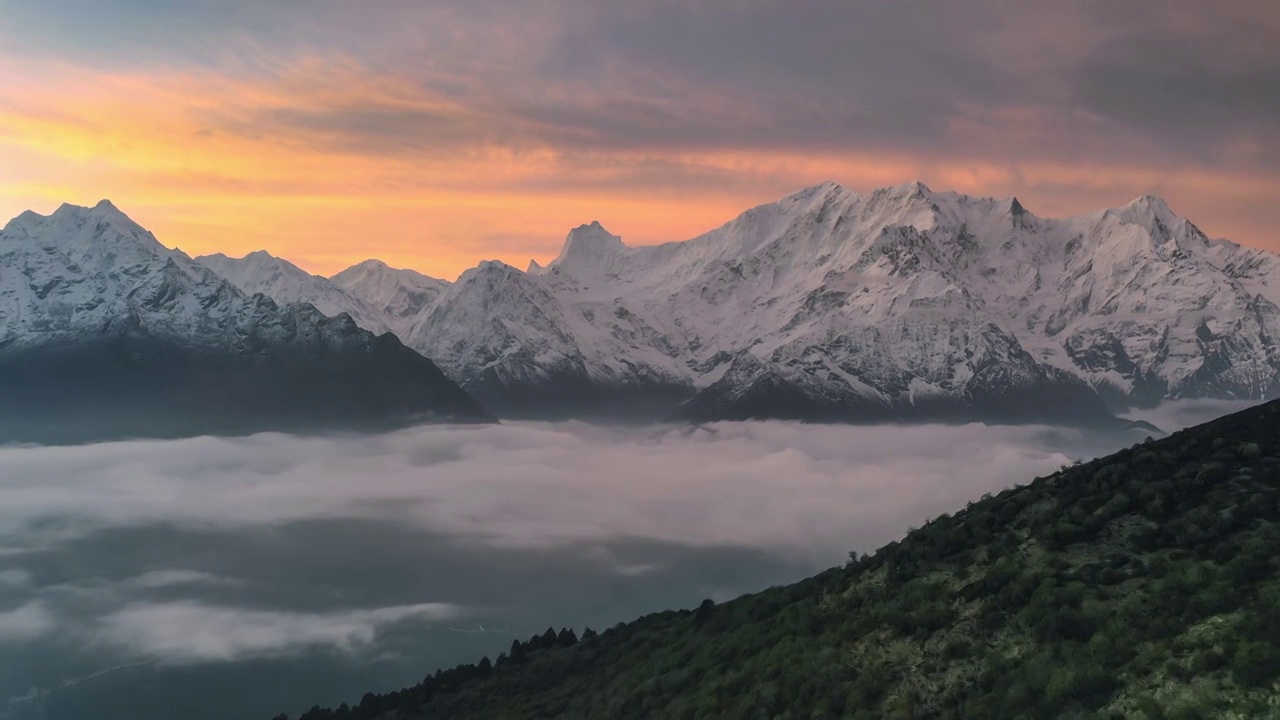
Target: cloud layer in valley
(348,562)
(213,548)
(813,489)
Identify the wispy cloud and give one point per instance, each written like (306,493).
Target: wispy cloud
(192,632)
(155,579)
(26,622)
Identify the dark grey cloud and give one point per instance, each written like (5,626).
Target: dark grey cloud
(1174,92)
(1155,82)
(849,71)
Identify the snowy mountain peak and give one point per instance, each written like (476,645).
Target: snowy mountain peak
(21,224)
(86,270)
(370,265)
(1155,222)
(589,249)
(257,258)
(911,188)
(399,295)
(1153,203)
(376,270)
(103,209)
(491,267)
(96,238)
(590,237)
(1147,210)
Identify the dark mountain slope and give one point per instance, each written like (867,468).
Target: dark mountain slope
(1143,584)
(326,374)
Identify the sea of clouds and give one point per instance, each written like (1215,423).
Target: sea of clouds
(216,549)
(806,493)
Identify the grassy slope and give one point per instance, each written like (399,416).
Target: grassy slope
(1140,584)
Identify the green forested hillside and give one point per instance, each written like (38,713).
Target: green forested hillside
(1144,584)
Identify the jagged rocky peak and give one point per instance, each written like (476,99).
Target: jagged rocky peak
(590,248)
(590,238)
(1017,214)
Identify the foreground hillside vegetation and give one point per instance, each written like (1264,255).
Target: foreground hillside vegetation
(1143,584)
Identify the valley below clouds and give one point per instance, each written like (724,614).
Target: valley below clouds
(318,567)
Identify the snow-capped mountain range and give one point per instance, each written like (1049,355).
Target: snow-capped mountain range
(902,303)
(899,303)
(106,332)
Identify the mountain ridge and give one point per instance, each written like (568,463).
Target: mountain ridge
(901,255)
(105,333)
(902,303)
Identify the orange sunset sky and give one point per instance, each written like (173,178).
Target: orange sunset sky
(434,135)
